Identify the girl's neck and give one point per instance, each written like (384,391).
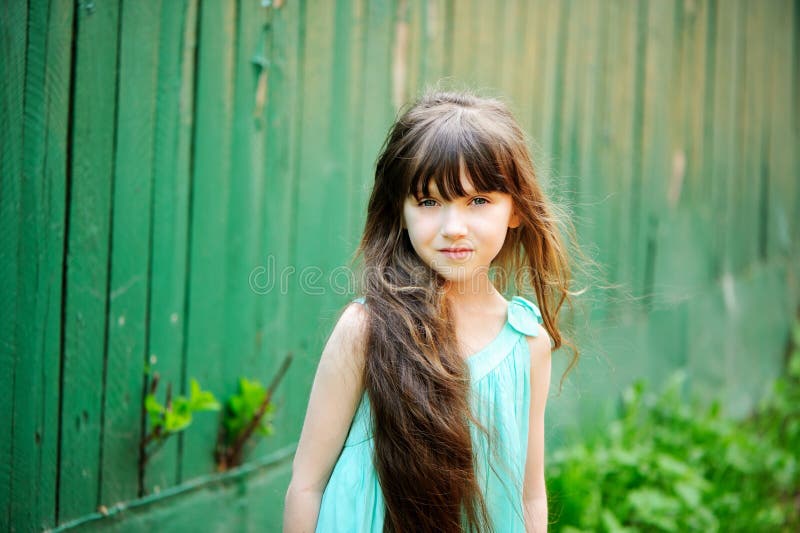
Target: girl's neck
(478,315)
(471,295)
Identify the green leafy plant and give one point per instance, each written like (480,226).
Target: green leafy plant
(666,465)
(174,415)
(248,413)
(245,405)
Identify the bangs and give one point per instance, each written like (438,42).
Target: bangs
(448,148)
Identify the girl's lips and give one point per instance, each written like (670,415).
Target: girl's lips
(456,253)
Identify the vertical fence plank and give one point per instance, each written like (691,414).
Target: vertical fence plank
(616,141)
(508,37)
(93,134)
(734,287)
(794,135)
(741,203)
(346,142)
(284,105)
(565,126)
(465,33)
(766,33)
(378,111)
(527,57)
(316,220)
(130,252)
(589,128)
(553,95)
(750,215)
(634,233)
(410,16)
(252,66)
(42,196)
(783,197)
(703,339)
(658,123)
(543,17)
(692,64)
(354,146)
(434,46)
(581,110)
(681,261)
(171,189)
(206,353)
(486,61)
(707,125)
(13,42)
(725,158)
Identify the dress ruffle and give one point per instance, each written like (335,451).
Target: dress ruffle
(524,316)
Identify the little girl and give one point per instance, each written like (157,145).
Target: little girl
(427,409)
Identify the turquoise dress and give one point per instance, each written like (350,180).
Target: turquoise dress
(500,386)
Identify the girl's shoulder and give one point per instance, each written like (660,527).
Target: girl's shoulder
(354,316)
(351,327)
(346,343)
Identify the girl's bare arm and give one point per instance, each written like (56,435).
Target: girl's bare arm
(335,394)
(534,495)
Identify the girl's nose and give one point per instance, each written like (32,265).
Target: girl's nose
(454,223)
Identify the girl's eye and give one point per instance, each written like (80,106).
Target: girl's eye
(427,203)
(480,200)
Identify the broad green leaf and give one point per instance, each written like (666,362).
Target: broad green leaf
(152,405)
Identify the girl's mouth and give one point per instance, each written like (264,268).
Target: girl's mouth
(456,253)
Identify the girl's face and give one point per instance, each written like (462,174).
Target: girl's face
(459,238)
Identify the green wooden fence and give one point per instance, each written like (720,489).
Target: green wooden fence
(182,178)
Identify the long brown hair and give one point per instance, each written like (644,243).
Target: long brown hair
(416,378)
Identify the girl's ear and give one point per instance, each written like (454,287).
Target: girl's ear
(514,221)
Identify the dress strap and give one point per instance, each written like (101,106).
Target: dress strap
(524,316)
